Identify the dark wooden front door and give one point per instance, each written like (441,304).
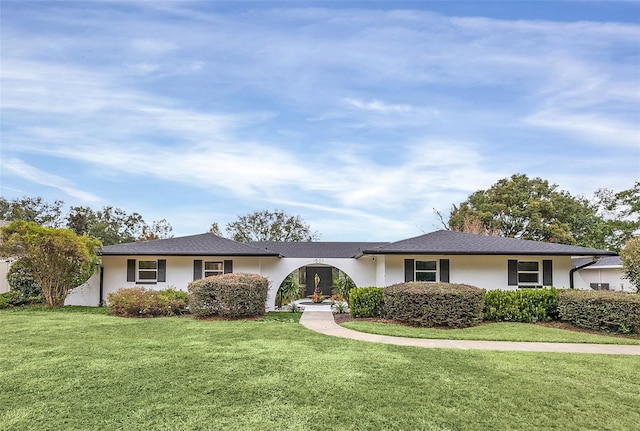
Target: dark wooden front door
(326,279)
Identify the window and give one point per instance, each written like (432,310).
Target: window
(148,270)
(528,272)
(426,270)
(213,268)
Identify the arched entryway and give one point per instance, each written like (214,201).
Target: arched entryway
(324,280)
(362,271)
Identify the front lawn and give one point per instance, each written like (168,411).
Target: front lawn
(89,371)
(499,331)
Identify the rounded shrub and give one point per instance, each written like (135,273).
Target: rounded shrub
(434,304)
(21,280)
(141,302)
(228,295)
(365,302)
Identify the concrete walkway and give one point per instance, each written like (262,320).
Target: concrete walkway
(320,319)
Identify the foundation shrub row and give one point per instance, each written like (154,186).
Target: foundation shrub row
(229,295)
(142,302)
(459,306)
(524,305)
(366,302)
(601,310)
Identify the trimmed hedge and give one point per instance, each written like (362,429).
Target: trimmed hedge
(601,310)
(141,302)
(524,305)
(365,302)
(434,304)
(228,295)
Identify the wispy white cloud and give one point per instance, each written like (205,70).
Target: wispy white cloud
(406,110)
(37,176)
(378,106)
(153,46)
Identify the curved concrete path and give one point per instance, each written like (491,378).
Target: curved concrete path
(321,320)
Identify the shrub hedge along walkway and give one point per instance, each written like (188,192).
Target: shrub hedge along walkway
(322,322)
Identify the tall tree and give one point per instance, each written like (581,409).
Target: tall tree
(58,259)
(520,207)
(630,256)
(159,229)
(215,229)
(620,214)
(32,209)
(270,226)
(115,226)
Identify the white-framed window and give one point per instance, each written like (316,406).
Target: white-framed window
(528,273)
(213,268)
(426,270)
(147,270)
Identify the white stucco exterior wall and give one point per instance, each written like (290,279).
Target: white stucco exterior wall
(5,264)
(87,294)
(485,272)
(603,274)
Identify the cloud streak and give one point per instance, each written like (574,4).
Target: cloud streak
(37,176)
(365,115)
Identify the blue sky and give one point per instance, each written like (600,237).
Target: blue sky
(361,117)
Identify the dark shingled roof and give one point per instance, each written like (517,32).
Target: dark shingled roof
(603,261)
(317,249)
(448,242)
(206,244)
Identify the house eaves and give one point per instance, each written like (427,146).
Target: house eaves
(459,243)
(206,244)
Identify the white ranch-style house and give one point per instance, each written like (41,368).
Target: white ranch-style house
(483,261)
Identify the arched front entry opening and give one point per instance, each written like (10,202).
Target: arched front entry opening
(325,280)
(303,271)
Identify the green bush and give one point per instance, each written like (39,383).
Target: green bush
(434,304)
(601,310)
(11,298)
(523,305)
(21,280)
(141,302)
(228,295)
(289,290)
(342,286)
(365,302)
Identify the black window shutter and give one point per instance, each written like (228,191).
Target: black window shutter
(512,266)
(228,266)
(162,270)
(131,270)
(197,269)
(444,270)
(547,273)
(408,270)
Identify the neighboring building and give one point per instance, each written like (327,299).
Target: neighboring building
(483,261)
(605,273)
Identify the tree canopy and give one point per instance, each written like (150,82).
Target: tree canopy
(32,209)
(58,259)
(520,207)
(110,225)
(270,226)
(630,256)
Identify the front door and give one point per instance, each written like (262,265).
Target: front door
(326,279)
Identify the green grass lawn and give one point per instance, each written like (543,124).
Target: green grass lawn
(75,370)
(500,331)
